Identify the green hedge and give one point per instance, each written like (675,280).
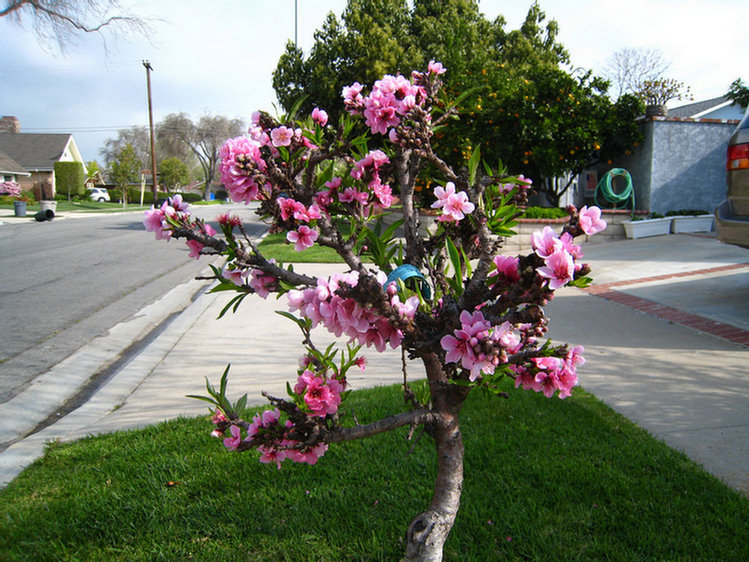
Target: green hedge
(70,180)
(544,213)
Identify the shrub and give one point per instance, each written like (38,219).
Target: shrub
(69,179)
(545,213)
(687,213)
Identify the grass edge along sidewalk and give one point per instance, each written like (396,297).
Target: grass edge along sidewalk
(545,480)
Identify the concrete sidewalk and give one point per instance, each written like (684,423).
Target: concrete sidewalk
(686,386)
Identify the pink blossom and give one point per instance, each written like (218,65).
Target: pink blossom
(320,116)
(559,269)
(507,269)
(241,166)
(195,248)
(271,454)
(454,205)
(545,242)
(352,98)
(155,221)
(302,238)
(321,397)
(233,442)
(436,67)
(236,276)
(262,283)
(590,220)
(281,136)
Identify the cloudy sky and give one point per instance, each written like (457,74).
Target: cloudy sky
(219,60)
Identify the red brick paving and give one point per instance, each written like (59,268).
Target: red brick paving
(718,329)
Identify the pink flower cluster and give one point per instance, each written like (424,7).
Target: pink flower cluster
(550,374)
(276,444)
(559,254)
(241,167)
(454,205)
(321,396)
(391,99)
(507,269)
(342,315)
(10,188)
(368,169)
(157,219)
(523,184)
(477,345)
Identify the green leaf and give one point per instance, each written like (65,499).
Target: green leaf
(295,108)
(224,378)
(473,164)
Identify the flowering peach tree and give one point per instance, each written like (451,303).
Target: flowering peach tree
(446,296)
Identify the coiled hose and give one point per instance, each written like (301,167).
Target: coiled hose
(605,186)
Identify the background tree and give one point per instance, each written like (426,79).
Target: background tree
(173,173)
(125,169)
(58,21)
(516,113)
(739,93)
(629,68)
(137,138)
(203,139)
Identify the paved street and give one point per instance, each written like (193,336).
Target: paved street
(64,282)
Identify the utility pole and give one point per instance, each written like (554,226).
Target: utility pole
(296,19)
(150,124)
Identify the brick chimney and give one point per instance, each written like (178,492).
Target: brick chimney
(10,124)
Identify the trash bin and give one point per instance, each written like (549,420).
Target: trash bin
(19,208)
(44,215)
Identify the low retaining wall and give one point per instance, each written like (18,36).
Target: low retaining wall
(522,241)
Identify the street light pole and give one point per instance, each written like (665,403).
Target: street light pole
(150,124)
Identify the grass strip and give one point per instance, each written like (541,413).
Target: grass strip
(546,480)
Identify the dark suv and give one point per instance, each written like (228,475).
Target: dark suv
(732,215)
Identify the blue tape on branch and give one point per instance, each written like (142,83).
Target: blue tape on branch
(407,271)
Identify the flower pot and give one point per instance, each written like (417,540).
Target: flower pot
(19,208)
(648,227)
(698,223)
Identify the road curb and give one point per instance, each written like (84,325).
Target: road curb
(48,392)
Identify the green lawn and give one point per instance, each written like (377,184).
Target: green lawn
(546,480)
(275,246)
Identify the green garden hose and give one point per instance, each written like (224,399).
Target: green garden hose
(607,190)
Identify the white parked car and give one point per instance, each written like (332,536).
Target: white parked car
(98,194)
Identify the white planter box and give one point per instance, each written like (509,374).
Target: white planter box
(698,223)
(648,227)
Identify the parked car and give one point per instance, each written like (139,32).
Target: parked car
(98,194)
(732,215)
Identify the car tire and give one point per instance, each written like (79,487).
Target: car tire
(101,200)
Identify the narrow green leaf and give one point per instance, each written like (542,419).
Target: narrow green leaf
(473,164)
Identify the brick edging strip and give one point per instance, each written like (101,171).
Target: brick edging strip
(694,321)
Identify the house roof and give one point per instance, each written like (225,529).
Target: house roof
(35,151)
(696,109)
(10,166)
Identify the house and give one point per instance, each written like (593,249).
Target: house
(715,108)
(10,170)
(36,153)
(681,161)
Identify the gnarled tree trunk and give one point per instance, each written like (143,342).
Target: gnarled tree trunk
(429,530)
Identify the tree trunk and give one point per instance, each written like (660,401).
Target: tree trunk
(428,532)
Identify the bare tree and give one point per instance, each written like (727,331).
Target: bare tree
(203,139)
(58,21)
(628,69)
(137,137)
